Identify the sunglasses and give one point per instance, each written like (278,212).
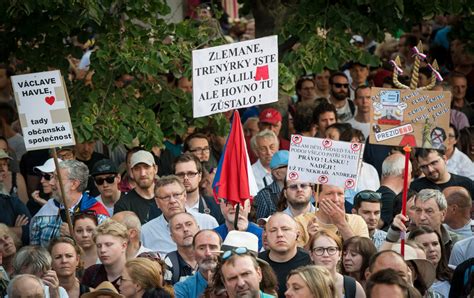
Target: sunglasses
(47,176)
(374,196)
(234,251)
(339,85)
(109,180)
(296,186)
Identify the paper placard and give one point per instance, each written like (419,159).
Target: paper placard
(324,161)
(42,103)
(418,118)
(235,75)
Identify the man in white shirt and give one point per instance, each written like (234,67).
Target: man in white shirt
(264,144)
(458,163)
(361,120)
(170,196)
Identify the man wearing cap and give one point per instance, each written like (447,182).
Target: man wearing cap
(283,254)
(181,262)
(340,96)
(207,246)
(359,74)
(141,198)
(367,204)
(107,179)
(271,119)
(264,145)
(13,210)
(266,199)
(50,221)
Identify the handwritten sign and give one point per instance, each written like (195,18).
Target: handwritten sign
(234,76)
(324,161)
(42,104)
(417,118)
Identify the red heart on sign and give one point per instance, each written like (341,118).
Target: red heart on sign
(49,100)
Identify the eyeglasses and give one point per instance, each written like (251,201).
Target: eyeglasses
(368,196)
(331,250)
(301,185)
(200,150)
(434,163)
(47,176)
(339,85)
(174,196)
(109,180)
(234,251)
(190,175)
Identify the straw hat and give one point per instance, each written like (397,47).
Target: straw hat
(105,288)
(426,269)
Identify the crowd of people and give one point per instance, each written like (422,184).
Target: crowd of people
(129,222)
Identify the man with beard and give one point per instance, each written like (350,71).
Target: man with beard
(243,224)
(339,96)
(170,196)
(50,221)
(283,254)
(188,169)
(432,163)
(298,196)
(207,246)
(140,199)
(181,262)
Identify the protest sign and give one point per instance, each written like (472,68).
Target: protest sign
(235,75)
(418,118)
(42,103)
(324,161)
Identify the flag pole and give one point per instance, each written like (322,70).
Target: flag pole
(407,150)
(62,192)
(236,220)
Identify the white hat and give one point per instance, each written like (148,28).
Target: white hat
(142,156)
(48,166)
(241,239)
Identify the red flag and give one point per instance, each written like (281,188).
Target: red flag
(234,179)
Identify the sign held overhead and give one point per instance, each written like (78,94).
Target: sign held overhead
(235,75)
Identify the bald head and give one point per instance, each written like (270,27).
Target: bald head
(130,220)
(281,217)
(387,259)
(458,195)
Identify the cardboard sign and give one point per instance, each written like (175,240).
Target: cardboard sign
(42,103)
(235,75)
(417,118)
(324,161)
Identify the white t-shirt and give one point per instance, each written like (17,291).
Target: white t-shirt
(364,127)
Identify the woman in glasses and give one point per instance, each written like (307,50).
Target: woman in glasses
(326,250)
(356,253)
(142,277)
(66,255)
(84,225)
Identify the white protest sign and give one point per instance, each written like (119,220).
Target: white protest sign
(235,75)
(43,108)
(324,161)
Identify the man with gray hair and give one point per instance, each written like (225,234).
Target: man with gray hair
(430,210)
(264,145)
(130,220)
(50,221)
(25,285)
(391,184)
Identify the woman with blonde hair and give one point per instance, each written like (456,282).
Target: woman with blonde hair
(9,244)
(310,282)
(142,277)
(66,260)
(326,250)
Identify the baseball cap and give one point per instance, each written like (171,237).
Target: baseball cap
(280,158)
(4,155)
(104,166)
(47,167)
(270,115)
(142,156)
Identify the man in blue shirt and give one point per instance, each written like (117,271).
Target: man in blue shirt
(207,246)
(243,223)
